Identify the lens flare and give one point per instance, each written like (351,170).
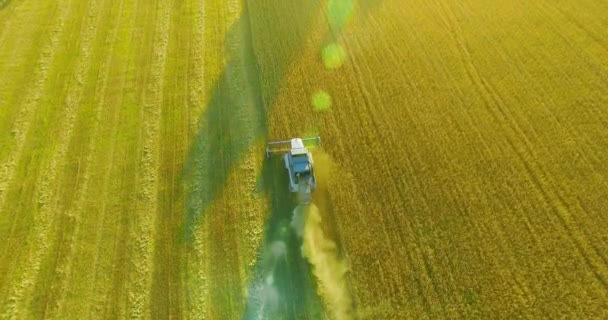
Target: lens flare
(321,101)
(339,13)
(333,56)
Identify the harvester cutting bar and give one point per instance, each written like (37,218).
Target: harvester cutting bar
(317,140)
(270,151)
(274,143)
(291,143)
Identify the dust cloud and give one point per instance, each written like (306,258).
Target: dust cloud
(329,269)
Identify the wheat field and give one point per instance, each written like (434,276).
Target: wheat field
(462,172)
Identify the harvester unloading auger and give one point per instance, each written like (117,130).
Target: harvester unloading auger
(299,164)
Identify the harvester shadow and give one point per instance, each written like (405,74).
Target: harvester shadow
(281,259)
(4,3)
(260,45)
(235,117)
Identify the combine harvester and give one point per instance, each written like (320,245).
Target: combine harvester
(299,165)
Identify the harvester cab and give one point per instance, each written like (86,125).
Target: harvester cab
(299,164)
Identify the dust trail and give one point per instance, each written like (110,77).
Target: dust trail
(327,265)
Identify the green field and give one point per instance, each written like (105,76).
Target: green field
(463,171)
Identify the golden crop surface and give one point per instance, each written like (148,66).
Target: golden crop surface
(463,171)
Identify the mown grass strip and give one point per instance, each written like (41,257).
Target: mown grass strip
(43,153)
(94,160)
(140,281)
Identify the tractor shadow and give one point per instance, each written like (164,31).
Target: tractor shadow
(292,293)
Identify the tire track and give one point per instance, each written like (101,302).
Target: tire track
(573,132)
(582,27)
(598,67)
(557,195)
(499,226)
(147,207)
(555,198)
